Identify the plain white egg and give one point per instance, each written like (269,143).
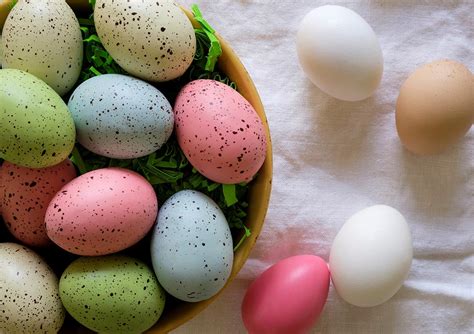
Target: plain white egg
(340,53)
(371,256)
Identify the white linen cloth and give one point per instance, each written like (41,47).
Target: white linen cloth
(333,158)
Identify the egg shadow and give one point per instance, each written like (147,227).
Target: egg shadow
(433,181)
(341,130)
(336,311)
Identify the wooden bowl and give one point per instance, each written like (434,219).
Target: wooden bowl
(259,194)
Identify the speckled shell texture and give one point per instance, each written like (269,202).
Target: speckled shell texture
(191,247)
(43,37)
(152,40)
(36,128)
(102,212)
(112,294)
(120,117)
(29,296)
(219,131)
(27,196)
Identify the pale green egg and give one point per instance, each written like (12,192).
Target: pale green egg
(112,294)
(36,128)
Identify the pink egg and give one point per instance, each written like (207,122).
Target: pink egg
(288,297)
(102,212)
(219,131)
(27,193)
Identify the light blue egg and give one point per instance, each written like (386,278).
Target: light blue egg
(120,117)
(191,247)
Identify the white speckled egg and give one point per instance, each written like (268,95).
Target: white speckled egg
(28,192)
(153,40)
(191,247)
(29,294)
(219,131)
(44,39)
(120,117)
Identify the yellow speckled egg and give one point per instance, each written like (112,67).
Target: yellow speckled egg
(152,40)
(435,108)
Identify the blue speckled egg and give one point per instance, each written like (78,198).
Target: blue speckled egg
(112,294)
(191,247)
(120,117)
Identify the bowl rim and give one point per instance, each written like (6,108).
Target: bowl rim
(260,192)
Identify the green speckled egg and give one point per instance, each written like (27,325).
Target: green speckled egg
(36,128)
(112,294)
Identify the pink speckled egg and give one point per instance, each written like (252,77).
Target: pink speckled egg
(102,212)
(288,297)
(219,131)
(27,193)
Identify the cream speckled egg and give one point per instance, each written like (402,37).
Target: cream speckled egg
(44,38)
(152,40)
(112,294)
(27,196)
(29,295)
(120,117)
(102,212)
(191,247)
(219,131)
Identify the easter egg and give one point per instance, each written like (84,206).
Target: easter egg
(191,247)
(219,131)
(435,108)
(44,39)
(102,212)
(288,297)
(120,117)
(152,40)
(29,295)
(36,128)
(112,294)
(340,53)
(371,256)
(27,196)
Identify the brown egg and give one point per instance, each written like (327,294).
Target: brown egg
(435,108)
(27,193)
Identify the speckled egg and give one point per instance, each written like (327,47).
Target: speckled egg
(44,39)
(112,294)
(121,117)
(219,131)
(29,296)
(102,212)
(36,128)
(152,40)
(27,196)
(191,247)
